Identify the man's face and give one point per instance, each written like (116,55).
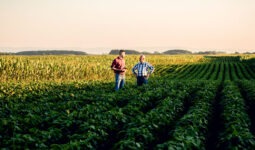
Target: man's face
(122,54)
(142,58)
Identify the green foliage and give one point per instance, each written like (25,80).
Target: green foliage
(192,128)
(236,121)
(69,102)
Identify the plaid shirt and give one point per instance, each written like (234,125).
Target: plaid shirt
(142,69)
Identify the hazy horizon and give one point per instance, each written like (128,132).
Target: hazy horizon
(101,51)
(146,25)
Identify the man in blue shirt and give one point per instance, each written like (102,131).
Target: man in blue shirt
(142,71)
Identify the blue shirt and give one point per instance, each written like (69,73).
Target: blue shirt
(142,69)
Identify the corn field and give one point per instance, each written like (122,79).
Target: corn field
(72,68)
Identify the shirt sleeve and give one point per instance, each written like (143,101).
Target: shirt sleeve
(134,68)
(151,68)
(113,63)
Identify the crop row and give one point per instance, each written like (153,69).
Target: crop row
(114,120)
(167,114)
(37,117)
(248,91)
(192,129)
(223,71)
(236,131)
(145,131)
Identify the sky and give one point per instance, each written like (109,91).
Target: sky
(97,26)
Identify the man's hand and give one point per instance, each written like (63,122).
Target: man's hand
(121,70)
(124,70)
(147,76)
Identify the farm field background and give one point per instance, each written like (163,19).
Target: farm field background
(68,102)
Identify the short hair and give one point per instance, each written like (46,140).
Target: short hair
(121,51)
(142,55)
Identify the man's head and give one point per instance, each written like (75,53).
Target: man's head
(142,58)
(122,53)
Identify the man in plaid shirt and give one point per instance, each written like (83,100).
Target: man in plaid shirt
(142,71)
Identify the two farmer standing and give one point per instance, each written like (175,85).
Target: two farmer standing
(141,70)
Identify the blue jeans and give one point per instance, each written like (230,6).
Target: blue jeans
(119,81)
(141,80)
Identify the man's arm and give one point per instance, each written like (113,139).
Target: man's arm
(114,68)
(113,65)
(134,69)
(151,68)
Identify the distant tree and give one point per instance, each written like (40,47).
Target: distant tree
(156,52)
(51,52)
(5,53)
(210,52)
(146,53)
(116,52)
(177,51)
(247,53)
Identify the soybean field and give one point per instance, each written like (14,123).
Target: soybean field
(69,102)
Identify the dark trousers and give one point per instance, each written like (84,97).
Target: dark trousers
(141,80)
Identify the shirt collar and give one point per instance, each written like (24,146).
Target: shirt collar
(119,57)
